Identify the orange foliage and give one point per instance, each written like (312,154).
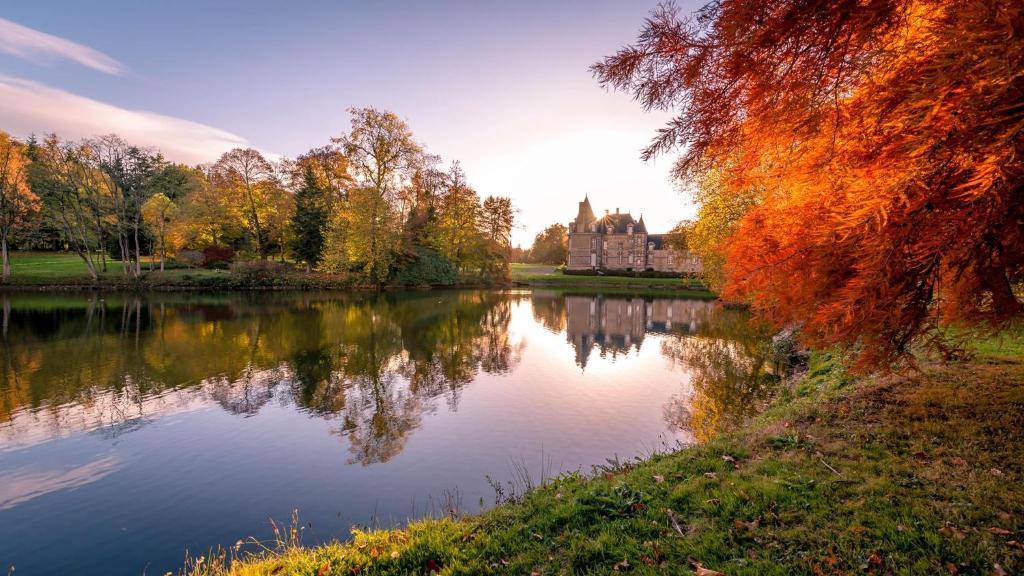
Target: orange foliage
(885,139)
(17,200)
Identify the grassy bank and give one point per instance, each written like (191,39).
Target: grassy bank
(913,474)
(50,271)
(549,277)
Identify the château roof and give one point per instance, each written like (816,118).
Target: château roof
(617,221)
(586,213)
(656,239)
(640,227)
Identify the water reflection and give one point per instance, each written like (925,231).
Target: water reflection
(373,364)
(731,372)
(132,428)
(378,362)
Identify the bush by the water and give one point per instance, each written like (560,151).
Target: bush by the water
(429,268)
(218,257)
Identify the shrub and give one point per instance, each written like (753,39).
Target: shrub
(190,258)
(429,268)
(260,268)
(218,257)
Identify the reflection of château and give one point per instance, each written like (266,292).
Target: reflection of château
(618,324)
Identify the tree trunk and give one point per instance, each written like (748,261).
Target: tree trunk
(6,256)
(138,251)
(1004,302)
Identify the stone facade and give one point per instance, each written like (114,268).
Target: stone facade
(616,242)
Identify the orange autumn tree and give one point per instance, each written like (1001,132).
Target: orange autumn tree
(881,141)
(17,200)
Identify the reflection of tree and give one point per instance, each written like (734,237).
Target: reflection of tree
(730,372)
(549,310)
(376,361)
(246,395)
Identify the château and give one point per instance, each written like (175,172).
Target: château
(618,243)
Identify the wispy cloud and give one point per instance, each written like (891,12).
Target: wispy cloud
(28,107)
(32,44)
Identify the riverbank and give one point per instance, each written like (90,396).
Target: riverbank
(915,474)
(545,276)
(63,272)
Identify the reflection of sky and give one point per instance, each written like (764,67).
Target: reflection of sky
(22,484)
(195,474)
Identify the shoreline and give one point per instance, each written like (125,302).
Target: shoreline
(839,474)
(226,282)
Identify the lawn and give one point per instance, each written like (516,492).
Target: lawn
(49,269)
(546,275)
(918,473)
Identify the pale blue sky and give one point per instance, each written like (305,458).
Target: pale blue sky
(501,86)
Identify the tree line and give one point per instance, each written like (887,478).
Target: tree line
(372,203)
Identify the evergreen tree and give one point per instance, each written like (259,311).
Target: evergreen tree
(309,219)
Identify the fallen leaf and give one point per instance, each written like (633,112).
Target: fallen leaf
(998,531)
(702,571)
(728,458)
(951,568)
(1003,515)
(952,532)
(1015,544)
(710,475)
(995,472)
(752,525)
(857,529)
(659,478)
(621,566)
(958,461)
(875,559)
(324,569)
(997,570)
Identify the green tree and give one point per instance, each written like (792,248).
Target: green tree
(128,172)
(309,219)
(158,212)
(495,225)
(250,181)
(382,156)
(551,245)
(452,230)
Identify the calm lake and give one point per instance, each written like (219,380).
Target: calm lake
(135,428)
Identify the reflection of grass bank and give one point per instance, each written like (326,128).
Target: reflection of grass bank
(628,291)
(915,474)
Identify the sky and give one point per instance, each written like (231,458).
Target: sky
(503,87)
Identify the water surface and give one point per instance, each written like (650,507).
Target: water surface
(134,429)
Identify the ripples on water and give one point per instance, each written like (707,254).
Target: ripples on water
(134,428)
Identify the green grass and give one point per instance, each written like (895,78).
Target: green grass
(28,268)
(549,276)
(921,473)
(55,270)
